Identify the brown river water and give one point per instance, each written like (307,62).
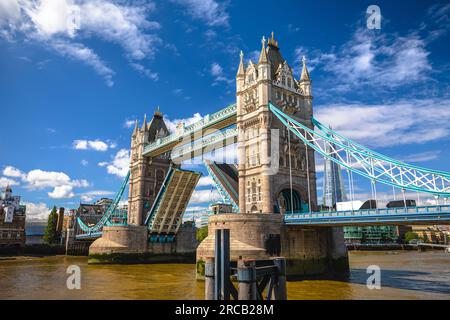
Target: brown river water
(404,275)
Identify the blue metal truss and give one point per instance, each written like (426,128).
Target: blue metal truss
(159,196)
(220,188)
(365,162)
(395,216)
(112,216)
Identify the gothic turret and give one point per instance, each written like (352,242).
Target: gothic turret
(305,80)
(240,77)
(263,54)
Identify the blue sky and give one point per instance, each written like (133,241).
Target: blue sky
(75,74)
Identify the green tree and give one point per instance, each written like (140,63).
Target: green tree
(202,233)
(50,235)
(410,236)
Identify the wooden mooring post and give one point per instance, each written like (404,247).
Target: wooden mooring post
(254,277)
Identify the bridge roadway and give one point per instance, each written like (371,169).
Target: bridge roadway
(439,214)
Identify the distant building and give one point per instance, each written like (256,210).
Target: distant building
(432,234)
(12,219)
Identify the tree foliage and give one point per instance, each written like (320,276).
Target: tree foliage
(50,235)
(411,236)
(202,233)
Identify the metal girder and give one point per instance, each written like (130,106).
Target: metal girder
(218,121)
(220,187)
(439,214)
(109,213)
(166,214)
(365,162)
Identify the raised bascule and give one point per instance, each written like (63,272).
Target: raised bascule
(271,193)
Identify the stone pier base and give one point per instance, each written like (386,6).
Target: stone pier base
(129,244)
(314,251)
(308,251)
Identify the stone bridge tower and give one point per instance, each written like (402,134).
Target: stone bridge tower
(268,166)
(147,174)
(274,167)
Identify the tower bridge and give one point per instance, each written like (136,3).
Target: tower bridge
(271,192)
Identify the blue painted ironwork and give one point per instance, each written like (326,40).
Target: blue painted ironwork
(206,122)
(220,187)
(151,213)
(365,162)
(217,139)
(394,216)
(111,215)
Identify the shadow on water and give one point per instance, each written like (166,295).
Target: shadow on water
(408,280)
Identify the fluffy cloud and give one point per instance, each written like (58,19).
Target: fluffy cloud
(37,212)
(62,192)
(396,123)
(205,181)
(172,124)
(205,196)
(120,164)
(209,11)
(96,145)
(37,179)
(13,172)
(91,195)
(372,59)
(4,182)
(58,24)
(217,72)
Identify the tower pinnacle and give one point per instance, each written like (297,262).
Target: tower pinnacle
(263,55)
(305,74)
(241,71)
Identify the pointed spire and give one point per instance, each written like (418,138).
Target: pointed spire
(241,71)
(158,113)
(305,74)
(135,128)
(263,55)
(144,124)
(272,42)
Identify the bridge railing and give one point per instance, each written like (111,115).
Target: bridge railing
(206,121)
(370,212)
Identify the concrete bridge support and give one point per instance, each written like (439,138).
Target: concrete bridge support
(308,251)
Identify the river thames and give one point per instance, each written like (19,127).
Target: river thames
(404,275)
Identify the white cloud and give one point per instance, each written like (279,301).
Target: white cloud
(37,212)
(204,196)
(37,179)
(10,171)
(205,181)
(372,59)
(62,25)
(4,182)
(129,124)
(91,195)
(62,192)
(96,145)
(120,164)
(9,11)
(421,156)
(172,124)
(84,163)
(146,72)
(217,72)
(216,69)
(395,123)
(209,11)
(78,51)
